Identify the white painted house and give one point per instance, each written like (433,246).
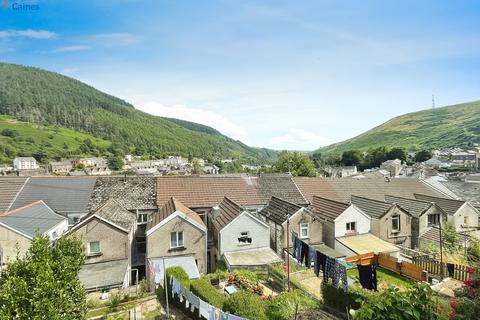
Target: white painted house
(462,214)
(341,219)
(25,163)
(240,238)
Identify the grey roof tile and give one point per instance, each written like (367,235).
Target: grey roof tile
(131,192)
(9,188)
(115,213)
(63,194)
(229,210)
(374,208)
(34,217)
(278,210)
(449,206)
(281,186)
(415,207)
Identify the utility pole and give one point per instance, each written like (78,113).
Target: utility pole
(288,251)
(441,250)
(166,290)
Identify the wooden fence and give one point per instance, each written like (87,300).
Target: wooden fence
(404,268)
(438,268)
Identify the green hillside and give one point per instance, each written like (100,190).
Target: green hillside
(457,125)
(37,96)
(45,142)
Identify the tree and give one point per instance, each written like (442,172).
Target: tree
(9,133)
(351,158)
(196,169)
(115,163)
(298,164)
(45,284)
(450,236)
(376,157)
(423,156)
(397,153)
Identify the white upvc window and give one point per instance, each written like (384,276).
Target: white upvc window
(176,239)
(94,247)
(396,223)
(465,220)
(142,218)
(304,230)
(351,226)
(434,219)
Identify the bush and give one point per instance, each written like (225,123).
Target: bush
(114,299)
(143,288)
(180,275)
(340,300)
(205,291)
(246,304)
(248,275)
(9,133)
(417,303)
(281,307)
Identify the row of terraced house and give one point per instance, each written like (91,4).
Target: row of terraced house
(135,227)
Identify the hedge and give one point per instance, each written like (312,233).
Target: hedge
(246,304)
(180,275)
(205,291)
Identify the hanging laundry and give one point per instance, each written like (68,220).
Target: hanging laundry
(329,269)
(194,302)
(342,274)
(450,269)
(297,246)
(368,276)
(213,313)
(204,309)
(322,260)
(310,257)
(304,254)
(232,317)
(223,315)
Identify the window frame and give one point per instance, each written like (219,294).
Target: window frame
(397,218)
(247,235)
(466,220)
(301,226)
(90,252)
(348,226)
(435,217)
(177,246)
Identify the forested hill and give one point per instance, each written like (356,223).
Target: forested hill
(450,126)
(37,96)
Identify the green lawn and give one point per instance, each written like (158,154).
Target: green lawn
(385,278)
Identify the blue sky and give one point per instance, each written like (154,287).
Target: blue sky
(277,74)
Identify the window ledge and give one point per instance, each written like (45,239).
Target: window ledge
(177,249)
(395,231)
(244,244)
(96,254)
(304,238)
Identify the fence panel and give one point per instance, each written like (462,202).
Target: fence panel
(388,262)
(438,268)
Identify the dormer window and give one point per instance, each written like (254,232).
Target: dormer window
(304,230)
(244,238)
(351,226)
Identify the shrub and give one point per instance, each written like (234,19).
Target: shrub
(180,275)
(248,275)
(205,291)
(246,304)
(417,303)
(143,287)
(9,133)
(340,300)
(114,299)
(281,307)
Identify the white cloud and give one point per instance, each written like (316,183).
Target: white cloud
(202,116)
(299,139)
(29,33)
(73,48)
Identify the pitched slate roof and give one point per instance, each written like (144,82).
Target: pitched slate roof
(316,187)
(374,208)
(229,210)
(115,213)
(415,207)
(109,274)
(63,194)
(281,186)
(277,210)
(208,191)
(374,188)
(32,217)
(170,207)
(327,208)
(468,191)
(449,206)
(9,188)
(132,193)
(433,235)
